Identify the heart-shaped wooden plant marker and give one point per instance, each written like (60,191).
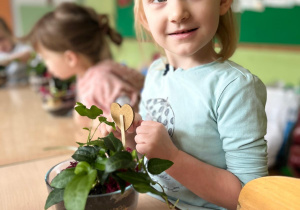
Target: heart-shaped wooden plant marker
(123,117)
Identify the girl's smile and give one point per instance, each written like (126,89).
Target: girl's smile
(184,29)
(183,34)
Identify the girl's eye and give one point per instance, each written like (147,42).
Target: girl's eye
(159,1)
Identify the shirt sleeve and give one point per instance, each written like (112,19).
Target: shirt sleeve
(242,125)
(101,87)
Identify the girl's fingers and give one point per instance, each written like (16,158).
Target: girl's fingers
(136,122)
(142,130)
(140,148)
(133,127)
(140,139)
(103,130)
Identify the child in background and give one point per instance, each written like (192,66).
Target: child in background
(13,56)
(201,111)
(72,40)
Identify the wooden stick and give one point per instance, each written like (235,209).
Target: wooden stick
(122,129)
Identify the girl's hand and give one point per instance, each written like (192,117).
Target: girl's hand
(153,140)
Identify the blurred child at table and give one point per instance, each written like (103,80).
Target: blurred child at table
(13,56)
(72,40)
(201,111)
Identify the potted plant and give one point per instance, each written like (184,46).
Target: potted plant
(59,96)
(102,165)
(37,72)
(2,76)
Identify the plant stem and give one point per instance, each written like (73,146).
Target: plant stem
(88,140)
(95,130)
(89,136)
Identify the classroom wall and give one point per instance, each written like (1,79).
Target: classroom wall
(270,64)
(272,26)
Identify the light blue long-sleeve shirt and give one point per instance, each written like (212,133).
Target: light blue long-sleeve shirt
(214,112)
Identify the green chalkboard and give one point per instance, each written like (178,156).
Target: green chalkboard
(272,26)
(125,18)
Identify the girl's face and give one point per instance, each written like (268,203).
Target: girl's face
(6,44)
(183,28)
(57,63)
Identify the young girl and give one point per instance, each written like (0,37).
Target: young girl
(201,111)
(13,56)
(72,40)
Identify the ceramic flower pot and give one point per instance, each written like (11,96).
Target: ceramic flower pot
(110,201)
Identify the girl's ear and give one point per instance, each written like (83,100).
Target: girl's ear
(71,58)
(225,6)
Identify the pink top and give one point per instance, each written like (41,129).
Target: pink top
(103,83)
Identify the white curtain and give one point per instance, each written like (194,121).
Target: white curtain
(282,111)
(259,5)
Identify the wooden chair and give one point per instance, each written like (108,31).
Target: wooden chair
(270,193)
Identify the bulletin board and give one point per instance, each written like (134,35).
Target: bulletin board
(272,26)
(125,18)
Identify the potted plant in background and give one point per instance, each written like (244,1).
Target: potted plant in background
(37,72)
(59,96)
(2,76)
(103,174)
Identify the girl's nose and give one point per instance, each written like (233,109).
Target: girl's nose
(178,11)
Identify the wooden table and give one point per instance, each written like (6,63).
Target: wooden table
(23,186)
(269,193)
(26,129)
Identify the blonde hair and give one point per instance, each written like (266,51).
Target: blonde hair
(76,28)
(226,35)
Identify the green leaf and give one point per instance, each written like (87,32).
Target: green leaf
(79,104)
(82,168)
(98,143)
(134,155)
(81,110)
(102,119)
(146,188)
(86,129)
(121,182)
(100,163)
(140,163)
(63,178)
(77,190)
(157,166)
(134,177)
(86,153)
(54,197)
(103,176)
(112,143)
(119,160)
(80,144)
(95,112)
(112,124)
(91,113)
(102,152)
